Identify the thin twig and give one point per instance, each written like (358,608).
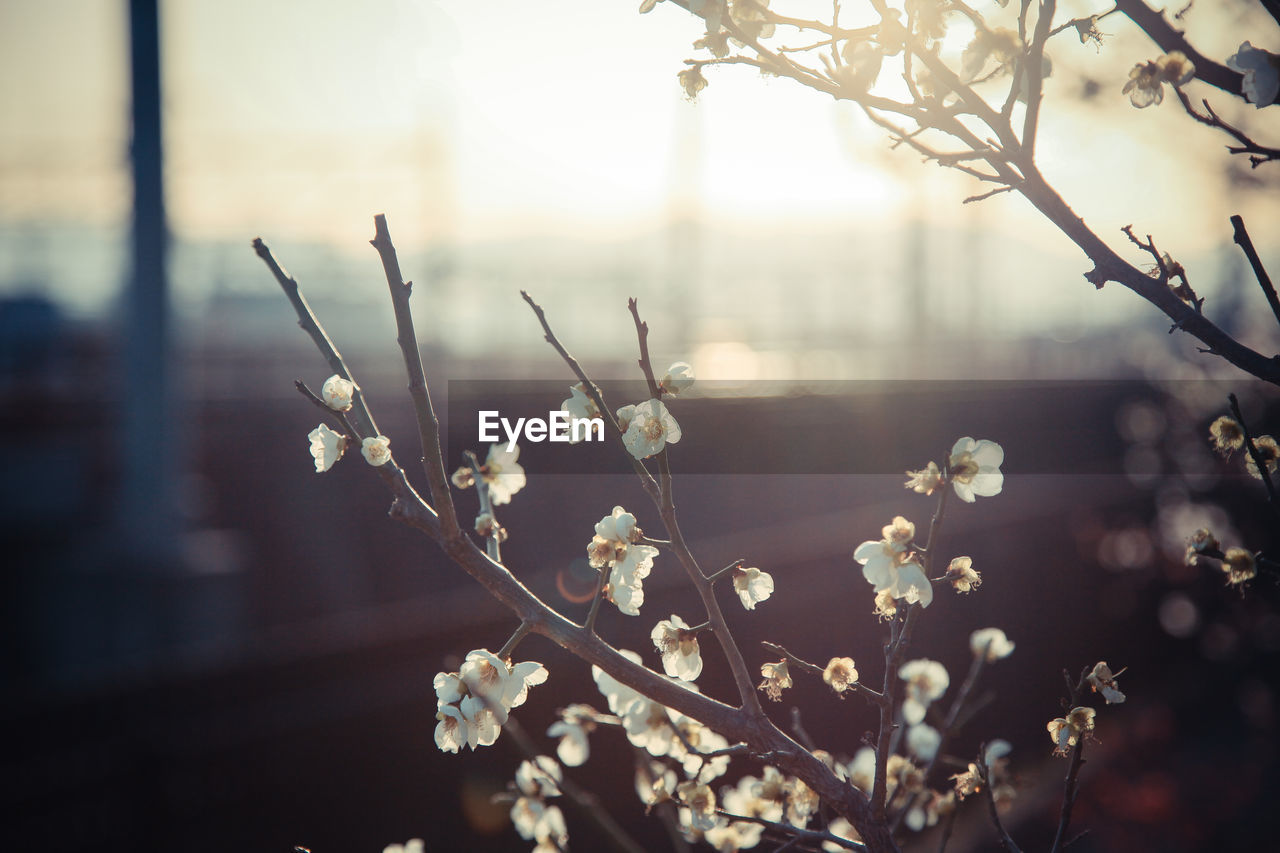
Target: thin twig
(1169,39)
(493,541)
(1006,841)
(337,416)
(307,320)
(1069,793)
(1263,471)
(1241,237)
(647,481)
(1258,153)
(666,508)
(428,425)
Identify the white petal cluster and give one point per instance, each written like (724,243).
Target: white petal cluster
(579,406)
(678,646)
(650,428)
(502,473)
(926,681)
(890,565)
(615,547)
(662,731)
(473,703)
(376,450)
(413,845)
(1103,680)
(1261,70)
(975,468)
(327,447)
(337,393)
(1066,731)
(923,742)
(575,723)
(991,644)
(678,378)
(1146,79)
(752,586)
(537,781)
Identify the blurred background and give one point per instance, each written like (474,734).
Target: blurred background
(209,647)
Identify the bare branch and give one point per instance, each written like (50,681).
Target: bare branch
(1241,237)
(428,426)
(1258,154)
(1169,39)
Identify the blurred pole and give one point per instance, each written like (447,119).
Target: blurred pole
(146,501)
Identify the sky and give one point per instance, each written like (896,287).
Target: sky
(468,123)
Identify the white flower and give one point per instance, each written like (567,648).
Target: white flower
(619,696)
(449,688)
(650,726)
(701,802)
(679,648)
(613,546)
(679,377)
(732,837)
(337,392)
(413,845)
(861,65)
(376,450)
(924,481)
(840,674)
(692,81)
(1001,44)
(579,406)
(997,749)
(962,575)
(862,769)
(991,643)
(975,468)
(498,686)
(923,742)
(1147,79)
(701,741)
(625,414)
(655,782)
(326,446)
(1066,731)
(539,777)
(483,725)
(777,677)
(1261,70)
(1268,451)
(753,586)
(534,820)
(451,731)
(888,564)
(503,474)
(617,527)
(841,828)
(926,681)
(627,597)
(651,428)
(1103,681)
(572,728)
(1239,565)
(1226,433)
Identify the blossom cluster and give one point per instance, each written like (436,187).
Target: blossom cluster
(538,780)
(616,548)
(473,703)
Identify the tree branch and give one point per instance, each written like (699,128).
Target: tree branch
(428,426)
(1169,39)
